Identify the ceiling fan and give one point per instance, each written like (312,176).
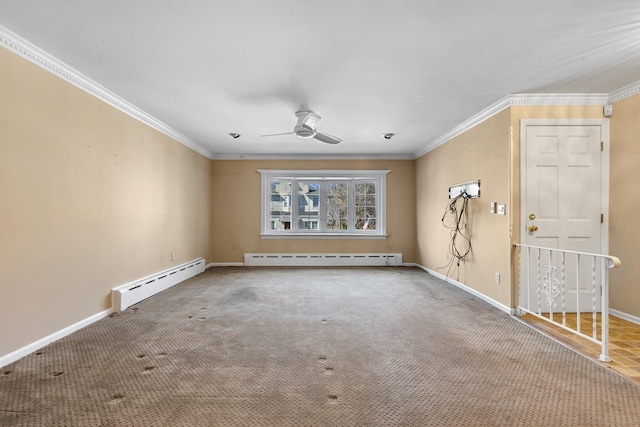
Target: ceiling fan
(306,126)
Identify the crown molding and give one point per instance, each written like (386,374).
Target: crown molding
(532,99)
(313,157)
(624,92)
(475,120)
(32,53)
(558,99)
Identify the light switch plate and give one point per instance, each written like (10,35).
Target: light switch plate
(493,207)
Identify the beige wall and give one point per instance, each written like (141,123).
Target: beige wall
(91,199)
(235,218)
(624,233)
(480,153)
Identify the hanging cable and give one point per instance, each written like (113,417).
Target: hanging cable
(454,219)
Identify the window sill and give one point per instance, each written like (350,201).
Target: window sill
(321,236)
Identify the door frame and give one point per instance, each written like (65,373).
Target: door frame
(604,170)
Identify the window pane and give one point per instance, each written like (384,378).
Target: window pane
(280,206)
(365,206)
(366,188)
(308,209)
(337,206)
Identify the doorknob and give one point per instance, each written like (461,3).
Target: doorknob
(533,228)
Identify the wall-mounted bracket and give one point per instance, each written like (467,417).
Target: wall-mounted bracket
(472,189)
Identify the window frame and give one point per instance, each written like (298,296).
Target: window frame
(323,176)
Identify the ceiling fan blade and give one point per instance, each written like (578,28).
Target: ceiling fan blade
(278,134)
(325,137)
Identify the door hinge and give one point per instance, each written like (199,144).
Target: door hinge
(601,218)
(601,145)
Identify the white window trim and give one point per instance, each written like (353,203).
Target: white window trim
(380,176)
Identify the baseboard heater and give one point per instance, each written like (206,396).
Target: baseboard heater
(314,260)
(132,293)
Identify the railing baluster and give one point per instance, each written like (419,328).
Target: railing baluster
(594,328)
(538,260)
(563,290)
(578,293)
(528,268)
(550,301)
(604,338)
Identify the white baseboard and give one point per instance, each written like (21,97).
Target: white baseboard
(125,296)
(625,316)
(30,348)
(472,291)
(224,264)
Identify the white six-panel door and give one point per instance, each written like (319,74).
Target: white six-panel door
(562,197)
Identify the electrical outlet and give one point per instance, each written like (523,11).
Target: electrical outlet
(492,207)
(497,278)
(173,257)
(501,209)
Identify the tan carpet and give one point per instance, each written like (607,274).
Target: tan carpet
(312,347)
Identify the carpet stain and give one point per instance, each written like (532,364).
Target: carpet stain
(245,294)
(116,398)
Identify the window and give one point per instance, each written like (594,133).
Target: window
(330,203)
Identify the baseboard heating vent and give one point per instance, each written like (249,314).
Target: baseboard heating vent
(127,295)
(314,260)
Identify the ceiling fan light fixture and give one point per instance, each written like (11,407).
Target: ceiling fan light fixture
(308,119)
(388,135)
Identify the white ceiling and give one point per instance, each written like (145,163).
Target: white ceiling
(416,68)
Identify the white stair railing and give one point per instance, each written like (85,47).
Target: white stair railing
(556,282)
